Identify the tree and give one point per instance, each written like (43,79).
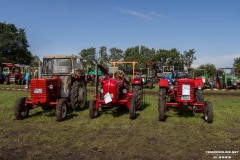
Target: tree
(89,55)
(14,45)
(103,56)
(140,54)
(35,61)
(167,58)
(210,68)
(236,64)
(188,57)
(115,54)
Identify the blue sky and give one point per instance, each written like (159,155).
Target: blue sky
(211,27)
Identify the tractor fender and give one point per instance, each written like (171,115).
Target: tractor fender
(137,81)
(198,82)
(163,83)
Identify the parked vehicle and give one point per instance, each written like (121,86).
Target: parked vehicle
(147,77)
(117,91)
(91,75)
(226,78)
(62,86)
(185,93)
(202,73)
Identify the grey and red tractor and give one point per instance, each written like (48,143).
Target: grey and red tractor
(62,86)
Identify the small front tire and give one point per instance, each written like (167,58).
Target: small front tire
(93,112)
(208,112)
(61,110)
(21,110)
(132,109)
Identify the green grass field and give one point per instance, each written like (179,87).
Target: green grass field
(113,135)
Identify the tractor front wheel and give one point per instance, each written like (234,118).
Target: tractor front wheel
(132,109)
(21,110)
(78,94)
(93,112)
(208,112)
(61,110)
(138,95)
(161,103)
(199,97)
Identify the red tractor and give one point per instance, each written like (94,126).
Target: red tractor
(61,85)
(184,93)
(116,91)
(15,73)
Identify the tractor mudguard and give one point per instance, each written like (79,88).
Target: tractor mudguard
(198,82)
(137,80)
(163,83)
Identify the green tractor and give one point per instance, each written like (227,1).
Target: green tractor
(91,74)
(147,77)
(226,79)
(202,73)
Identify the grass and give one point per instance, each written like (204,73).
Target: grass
(114,136)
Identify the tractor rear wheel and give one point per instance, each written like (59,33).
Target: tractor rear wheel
(199,97)
(208,112)
(221,84)
(21,110)
(61,110)
(161,103)
(93,112)
(138,95)
(78,94)
(132,109)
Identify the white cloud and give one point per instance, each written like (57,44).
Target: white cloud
(152,16)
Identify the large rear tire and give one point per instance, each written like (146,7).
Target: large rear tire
(61,110)
(208,112)
(93,112)
(78,94)
(138,96)
(161,103)
(221,84)
(132,109)
(21,110)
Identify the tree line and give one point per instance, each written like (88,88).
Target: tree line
(14,49)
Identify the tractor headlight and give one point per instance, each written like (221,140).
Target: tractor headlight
(199,87)
(204,80)
(171,86)
(101,90)
(50,86)
(124,91)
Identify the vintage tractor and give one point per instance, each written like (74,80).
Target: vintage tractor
(202,73)
(61,85)
(183,94)
(116,91)
(147,77)
(14,73)
(91,75)
(226,79)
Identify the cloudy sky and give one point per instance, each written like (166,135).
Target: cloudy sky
(211,27)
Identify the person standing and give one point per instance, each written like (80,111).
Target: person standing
(27,79)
